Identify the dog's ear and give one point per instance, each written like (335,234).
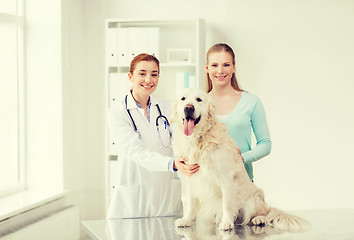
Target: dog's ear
(211,106)
(211,109)
(173,116)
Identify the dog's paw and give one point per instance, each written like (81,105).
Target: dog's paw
(258,229)
(226,225)
(259,220)
(217,218)
(183,222)
(187,232)
(227,235)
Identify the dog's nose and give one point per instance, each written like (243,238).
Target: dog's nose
(189,110)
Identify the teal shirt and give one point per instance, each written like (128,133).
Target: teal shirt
(249,115)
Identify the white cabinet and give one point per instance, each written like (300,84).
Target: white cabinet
(124,43)
(179,44)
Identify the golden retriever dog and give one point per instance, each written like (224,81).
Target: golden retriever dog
(221,191)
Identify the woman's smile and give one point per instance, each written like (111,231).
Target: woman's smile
(222,77)
(147,86)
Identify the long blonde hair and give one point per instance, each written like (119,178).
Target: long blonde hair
(218,48)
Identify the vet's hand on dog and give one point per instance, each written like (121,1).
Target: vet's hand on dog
(189,170)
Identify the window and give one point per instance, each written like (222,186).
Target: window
(11,97)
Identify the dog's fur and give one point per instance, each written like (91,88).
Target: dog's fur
(221,191)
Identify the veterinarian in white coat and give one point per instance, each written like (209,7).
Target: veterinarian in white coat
(147,184)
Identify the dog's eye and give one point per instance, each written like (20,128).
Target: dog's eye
(198,99)
(183,98)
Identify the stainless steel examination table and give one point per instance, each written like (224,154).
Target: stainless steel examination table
(326,224)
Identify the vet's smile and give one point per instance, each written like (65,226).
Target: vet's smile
(147,86)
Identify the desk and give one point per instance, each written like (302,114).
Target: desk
(325,224)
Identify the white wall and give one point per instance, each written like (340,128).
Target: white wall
(295,55)
(43,95)
(83,104)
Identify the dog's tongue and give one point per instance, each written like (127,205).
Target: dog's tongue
(188,126)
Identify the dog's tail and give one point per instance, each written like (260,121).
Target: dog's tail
(286,221)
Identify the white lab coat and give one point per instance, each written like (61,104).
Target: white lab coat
(145,187)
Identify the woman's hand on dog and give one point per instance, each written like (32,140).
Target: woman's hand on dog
(239,152)
(180,164)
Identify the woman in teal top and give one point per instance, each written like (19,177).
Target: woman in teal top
(241,111)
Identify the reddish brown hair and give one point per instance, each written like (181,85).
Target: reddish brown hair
(143,57)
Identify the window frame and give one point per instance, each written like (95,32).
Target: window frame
(18,19)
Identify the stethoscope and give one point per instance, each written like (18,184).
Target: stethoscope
(164,119)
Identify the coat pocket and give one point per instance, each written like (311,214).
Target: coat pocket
(124,202)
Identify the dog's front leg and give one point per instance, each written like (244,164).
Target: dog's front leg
(189,203)
(228,206)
